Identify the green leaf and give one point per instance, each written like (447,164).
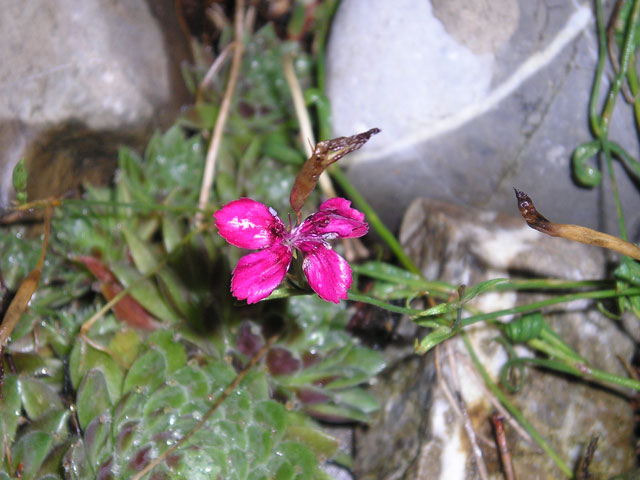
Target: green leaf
(93,397)
(30,450)
(469,294)
(142,253)
(365,359)
(256,384)
(357,398)
(76,462)
(435,337)
(628,271)
(50,467)
(85,358)
(128,409)
(173,351)
(55,423)
(194,380)
(391,273)
(272,416)
(147,373)
(166,397)
(171,233)
(145,292)
(125,345)
(300,456)
(481,287)
(10,410)
(323,445)
(97,437)
(38,398)
(336,413)
(221,375)
(260,444)
(20,181)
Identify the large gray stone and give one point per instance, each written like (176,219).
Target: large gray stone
(473,97)
(417,433)
(91,74)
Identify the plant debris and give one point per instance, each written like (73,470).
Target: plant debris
(572,232)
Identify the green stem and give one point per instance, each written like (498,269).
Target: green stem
(632,77)
(541,284)
(609,377)
(594,115)
(579,370)
(616,193)
(514,411)
(551,351)
(357,297)
(374,220)
(549,336)
(599,294)
(548,302)
(607,112)
(632,165)
(417,282)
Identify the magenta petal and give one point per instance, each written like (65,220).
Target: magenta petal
(246,223)
(334,219)
(259,273)
(327,272)
(342,207)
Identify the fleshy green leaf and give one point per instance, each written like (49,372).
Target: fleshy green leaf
(97,437)
(38,398)
(357,398)
(10,409)
(125,345)
(435,337)
(30,450)
(147,373)
(93,397)
(173,351)
(20,181)
(145,292)
(323,445)
(85,358)
(171,233)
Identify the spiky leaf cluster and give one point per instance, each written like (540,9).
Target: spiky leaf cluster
(104,401)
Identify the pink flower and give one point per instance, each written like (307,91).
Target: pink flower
(246,223)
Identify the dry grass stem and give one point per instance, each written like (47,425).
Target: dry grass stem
(28,286)
(221,120)
(213,69)
(503,446)
(306,132)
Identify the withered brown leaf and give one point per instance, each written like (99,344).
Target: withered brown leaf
(324,154)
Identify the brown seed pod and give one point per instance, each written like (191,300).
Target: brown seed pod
(324,154)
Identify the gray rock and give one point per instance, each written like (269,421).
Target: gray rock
(417,433)
(96,73)
(473,97)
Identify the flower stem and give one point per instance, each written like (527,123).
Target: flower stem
(548,302)
(373,219)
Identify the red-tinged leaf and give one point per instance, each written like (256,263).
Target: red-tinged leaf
(324,154)
(281,361)
(97,268)
(307,395)
(127,309)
